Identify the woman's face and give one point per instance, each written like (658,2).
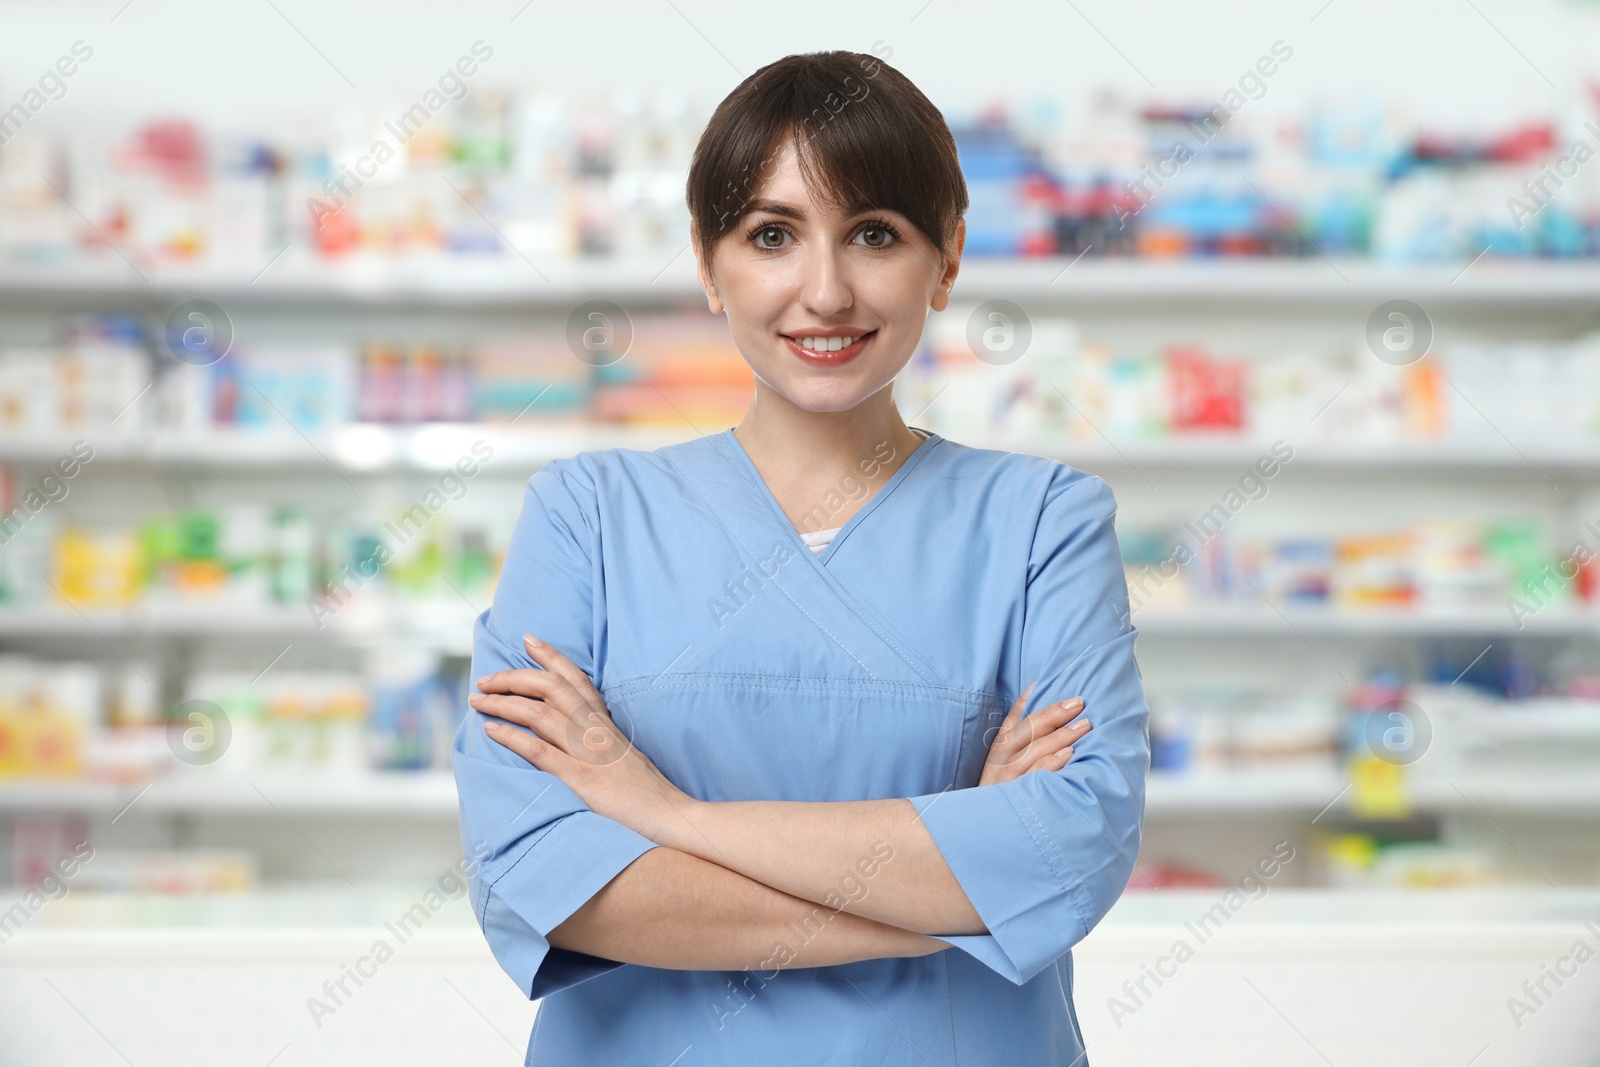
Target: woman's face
(827,307)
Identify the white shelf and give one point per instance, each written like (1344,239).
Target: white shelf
(518,450)
(399,794)
(1262,621)
(669,278)
(1308,793)
(447,624)
(1245,793)
(355,448)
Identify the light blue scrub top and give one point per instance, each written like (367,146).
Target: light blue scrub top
(748,668)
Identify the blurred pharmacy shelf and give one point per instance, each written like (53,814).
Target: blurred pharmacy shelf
(374,447)
(446,625)
(469,281)
(432,623)
(399,795)
(1269,621)
(1309,793)
(1303,793)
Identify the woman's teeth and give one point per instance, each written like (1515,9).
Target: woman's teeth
(827,344)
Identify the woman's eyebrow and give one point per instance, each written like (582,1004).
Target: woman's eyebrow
(774,207)
(789,211)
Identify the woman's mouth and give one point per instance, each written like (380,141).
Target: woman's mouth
(828,351)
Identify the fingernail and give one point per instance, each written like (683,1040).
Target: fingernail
(1080,726)
(480,681)
(532,641)
(1075,702)
(491,727)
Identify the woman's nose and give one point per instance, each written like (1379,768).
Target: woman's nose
(825,286)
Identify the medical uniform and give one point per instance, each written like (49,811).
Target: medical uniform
(749,668)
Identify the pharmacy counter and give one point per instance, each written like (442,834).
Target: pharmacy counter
(1287,976)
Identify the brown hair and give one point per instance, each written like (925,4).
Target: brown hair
(866,137)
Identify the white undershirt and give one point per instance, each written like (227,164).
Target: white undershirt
(820,539)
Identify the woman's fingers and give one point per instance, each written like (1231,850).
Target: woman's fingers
(1048,745)
(561,684)
(544,756)
(570,718)
(1052,718)
(520,710)
(546,656)
(1002,734)
(1053,762)
(1040,741)
(1017,736)
(524,681)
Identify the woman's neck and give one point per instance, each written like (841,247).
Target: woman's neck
(813,460)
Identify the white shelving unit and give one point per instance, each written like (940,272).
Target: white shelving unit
(438,621)
(496,280)
(395,795)
(371,447)
(404,795)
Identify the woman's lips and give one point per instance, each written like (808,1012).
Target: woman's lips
(830,359)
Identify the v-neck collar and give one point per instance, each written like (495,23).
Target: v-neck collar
(731,444)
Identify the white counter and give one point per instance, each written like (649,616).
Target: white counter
(1293,977)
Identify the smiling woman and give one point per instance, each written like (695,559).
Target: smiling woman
(670,794)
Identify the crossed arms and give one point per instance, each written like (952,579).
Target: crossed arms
(734,884)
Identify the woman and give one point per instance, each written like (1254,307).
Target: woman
(737,798)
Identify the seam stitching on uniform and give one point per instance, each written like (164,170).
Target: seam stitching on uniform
(892,641)
(543,833)
(1047,849)
(689,478)
(949,1009)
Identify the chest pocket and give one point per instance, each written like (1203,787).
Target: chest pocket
(722,737)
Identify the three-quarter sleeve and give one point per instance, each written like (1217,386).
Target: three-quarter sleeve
(544,852)
(1043,857)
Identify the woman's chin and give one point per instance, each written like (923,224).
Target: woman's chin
(824,399)
(820,392)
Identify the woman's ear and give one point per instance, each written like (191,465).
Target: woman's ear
(703,271)
(952,266)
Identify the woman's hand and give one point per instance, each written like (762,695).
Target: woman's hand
(1041,742)
(574,738)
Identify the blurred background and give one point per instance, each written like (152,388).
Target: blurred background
(293,300)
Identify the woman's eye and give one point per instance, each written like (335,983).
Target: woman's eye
(770,237)
(876,237)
